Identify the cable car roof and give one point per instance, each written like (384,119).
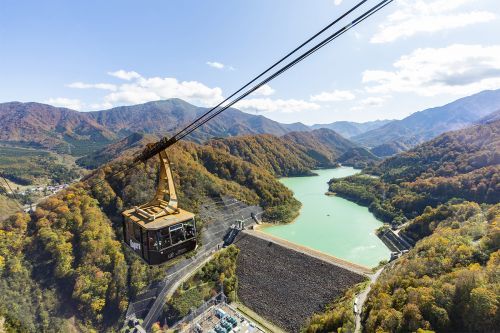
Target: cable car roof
(160,222)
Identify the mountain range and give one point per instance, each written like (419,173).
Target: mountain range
(428,124)
(349,129)
(80,133)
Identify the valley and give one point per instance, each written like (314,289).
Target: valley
(250,166)
(69,251)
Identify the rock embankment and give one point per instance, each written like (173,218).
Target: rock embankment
(285,286)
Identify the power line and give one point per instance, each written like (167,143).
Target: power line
(12,191)
(297,60)
(277,63)
(167,142)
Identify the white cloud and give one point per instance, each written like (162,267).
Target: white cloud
(124,75)
(420,16)
(337,2)
(457,69)
(103,86)
(265,90)
(145,90)
(276,105)
(142,90)
(371,102)
(69,103)
(215,64)
(333,96)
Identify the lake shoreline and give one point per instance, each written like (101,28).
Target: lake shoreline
(330,224)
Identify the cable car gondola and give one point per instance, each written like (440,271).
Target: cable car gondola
(159,230)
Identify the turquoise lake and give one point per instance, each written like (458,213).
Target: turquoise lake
(331,224)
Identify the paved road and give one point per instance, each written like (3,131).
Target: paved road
(362,298)
(222,214)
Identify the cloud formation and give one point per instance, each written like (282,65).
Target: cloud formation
(269,105)
(142,90)
(103,86)
(333,96)
(150,89)
(124,75)
(265,90)
(457,69)
(63,102)
(216,64)
(370,102)
(427,16)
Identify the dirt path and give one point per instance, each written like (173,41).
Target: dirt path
(361,298)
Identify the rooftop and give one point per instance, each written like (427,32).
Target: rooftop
(160,222)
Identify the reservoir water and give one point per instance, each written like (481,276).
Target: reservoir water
(331,224)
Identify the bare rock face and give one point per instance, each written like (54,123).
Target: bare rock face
(284,286)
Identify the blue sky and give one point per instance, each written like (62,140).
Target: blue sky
(90,55)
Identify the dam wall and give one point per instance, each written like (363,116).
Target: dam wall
(286,286)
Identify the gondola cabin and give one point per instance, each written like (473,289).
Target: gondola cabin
(159,230)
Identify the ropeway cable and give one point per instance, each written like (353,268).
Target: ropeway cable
(276,64)
(219,108)
(12,191)
(167,142)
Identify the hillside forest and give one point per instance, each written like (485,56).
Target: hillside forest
(444,194)
(64,269)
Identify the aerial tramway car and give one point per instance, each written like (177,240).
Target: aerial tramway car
(159,230)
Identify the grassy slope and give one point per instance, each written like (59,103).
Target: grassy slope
(26,166)
(7,207)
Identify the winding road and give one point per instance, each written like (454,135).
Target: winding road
(362,298)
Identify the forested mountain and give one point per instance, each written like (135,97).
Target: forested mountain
(325,141)
(163,117)
(449,282)
(283,157)
(447,192)
(388,149)
(425,125)
(80,133)
(451,153)
(59,129)
(293,154)
(68,256)
(490,118)
(357,157)
(461,164)
(349,129)
(121,148)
